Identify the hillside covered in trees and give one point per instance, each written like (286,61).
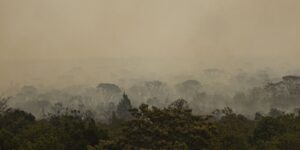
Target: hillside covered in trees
(157,122)
(149,75)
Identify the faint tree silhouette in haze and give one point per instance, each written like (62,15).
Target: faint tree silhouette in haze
(123,108)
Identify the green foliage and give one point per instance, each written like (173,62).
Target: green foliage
(150,128)
(76,133)
(6,140)
(280,132)
(20,131)
(170,128)
(16,120)
(267,129)
(40,135)
(233,131)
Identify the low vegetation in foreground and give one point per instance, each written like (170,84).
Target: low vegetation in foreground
(148,128)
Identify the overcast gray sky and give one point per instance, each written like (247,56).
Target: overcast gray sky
(41,39)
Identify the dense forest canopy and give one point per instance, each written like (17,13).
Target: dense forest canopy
(147,127)
(204,97)
(149,75)
(154,115)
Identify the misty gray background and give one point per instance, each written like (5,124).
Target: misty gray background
(59,43)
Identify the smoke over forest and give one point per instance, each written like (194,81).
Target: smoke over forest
(208,52)
(121,74)
(215,89)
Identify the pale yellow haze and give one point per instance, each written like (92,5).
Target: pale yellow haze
(106,40)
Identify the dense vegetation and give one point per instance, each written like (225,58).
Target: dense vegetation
(171,127)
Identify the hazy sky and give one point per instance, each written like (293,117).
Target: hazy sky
(51,38)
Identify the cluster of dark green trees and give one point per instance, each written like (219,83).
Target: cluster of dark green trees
(172,127)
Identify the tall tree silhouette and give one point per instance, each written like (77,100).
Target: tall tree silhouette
(123,108)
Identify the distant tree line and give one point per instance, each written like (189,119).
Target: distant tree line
(149,128)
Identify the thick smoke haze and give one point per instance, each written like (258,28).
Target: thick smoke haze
(228,46)
(42,42)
